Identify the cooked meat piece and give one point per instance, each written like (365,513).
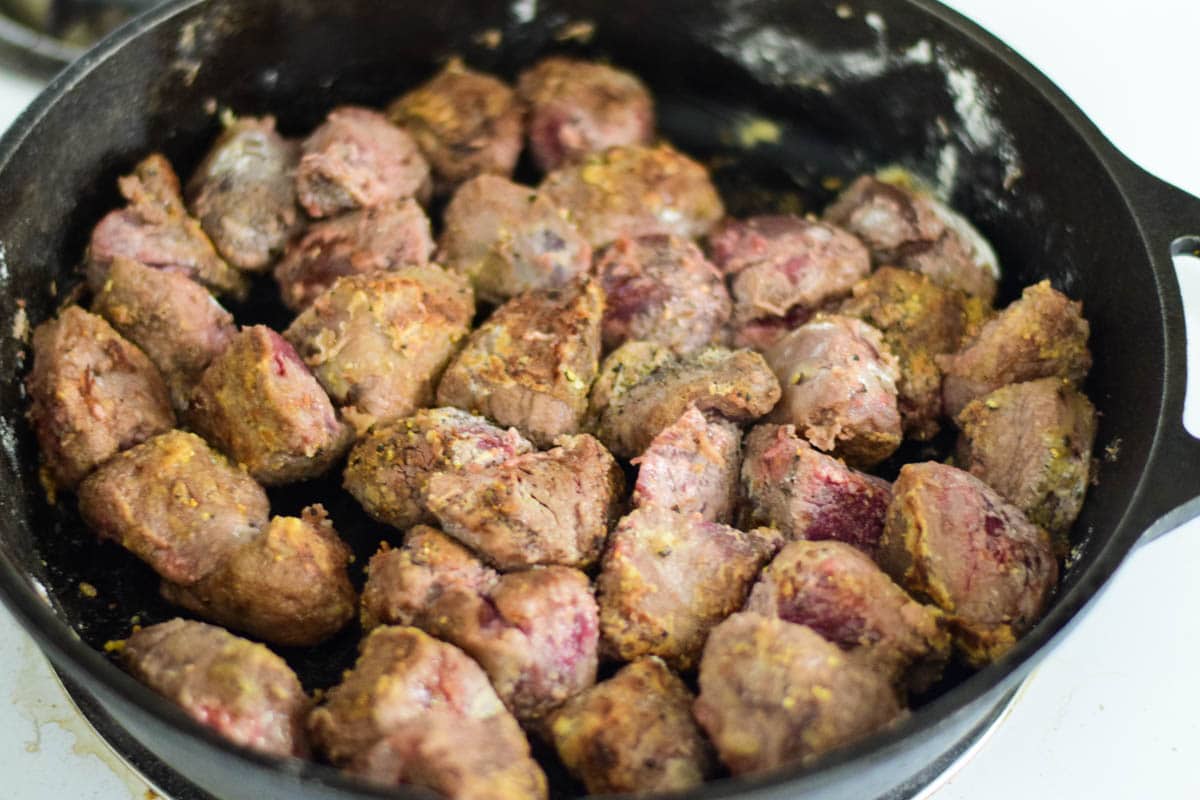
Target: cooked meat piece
(621,370)
(579,107)
(1042,335)
(510,239)
(240,689)
(840,593)
(170,317)
(91,395)
(378,239)
(466,123)
(389,467)
(357,159)
(1032,443)
(633,733)
(783,269)
(735,383)
(288,586)
(910,229)
(552,507)
(919,320)
(839,388)
(808,495)
(773,693)
(531,364)
(667,578)
(952,539)
(378,343)
(662,289)
(635,191)
(692,467)
(155,230)
(176,504)
(244,193)
(259,404)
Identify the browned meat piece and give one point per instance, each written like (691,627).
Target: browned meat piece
(357,159)
(378,343)
(378,239)
(735,383)
(633,733)
(808,495)
(692,467)
(176,504)
(1032,443)
(259,404)
(839,388)
(91,395)
(532,363)
(621,370)
(170,317)
(773,693)
(661,289)
(636,191)
(840,593)
(244,193)
(1042,335)
(667,578)
(389,467)
(510,239)
(155,230)
(466,123)
(579,107)
(784,268)
(910,229)
(552,507)
(240,689)
(287,586)
(952,539)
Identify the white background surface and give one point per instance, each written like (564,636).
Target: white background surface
(1112,714)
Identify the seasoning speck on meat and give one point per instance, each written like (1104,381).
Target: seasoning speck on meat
(692,467)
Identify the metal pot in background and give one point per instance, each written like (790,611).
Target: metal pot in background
(45,35)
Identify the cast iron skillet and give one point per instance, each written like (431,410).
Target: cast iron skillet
(894,80)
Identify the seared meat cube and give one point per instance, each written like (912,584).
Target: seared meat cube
(1032,443)
(389,467)
(839,388)
(244,193)
(532,363)
(510,239)
(287,586)
(773,693)
(552,507)
(783,269)
(952,539)
(259,404)
(622,369)
(808,495)
(1042,335)
(170,317)
(907,228)
(378,239)
(841,594)
(378,343)
(662,289)
(466,123)
(240,689)
(155,230)
(91,395)
(357,159)
(176,504)
(580,107)
(633,733)
(667,578)
(735,383)
(692,467)
(635,191)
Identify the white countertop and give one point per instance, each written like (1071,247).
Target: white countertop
(1114,713)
